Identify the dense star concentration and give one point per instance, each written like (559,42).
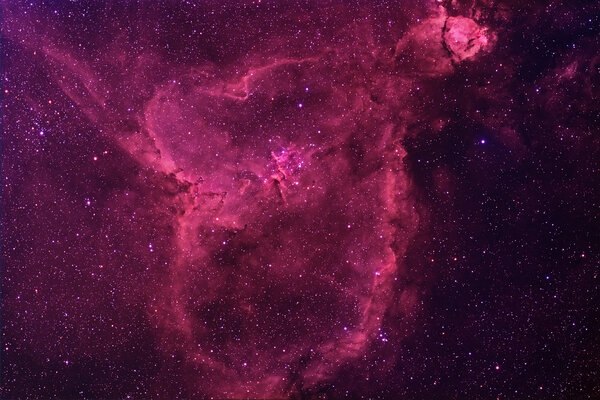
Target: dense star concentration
(300,199)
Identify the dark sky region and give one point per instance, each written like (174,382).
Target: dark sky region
(300,199)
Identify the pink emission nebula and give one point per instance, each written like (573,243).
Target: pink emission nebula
(300,199)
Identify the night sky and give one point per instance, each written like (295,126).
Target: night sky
(300,199)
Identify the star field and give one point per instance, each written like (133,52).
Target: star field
(300,199)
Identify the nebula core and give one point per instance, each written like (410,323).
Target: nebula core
(300,199)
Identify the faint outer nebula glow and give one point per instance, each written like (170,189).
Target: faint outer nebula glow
(300,199)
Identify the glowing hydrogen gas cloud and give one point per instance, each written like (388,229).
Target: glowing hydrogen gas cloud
(295,199)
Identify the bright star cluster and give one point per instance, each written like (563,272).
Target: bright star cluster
(300,199)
